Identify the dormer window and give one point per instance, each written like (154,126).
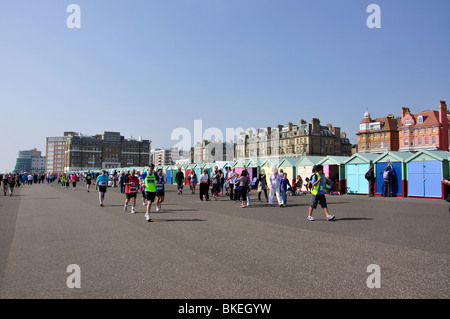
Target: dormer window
(408,122)
(420,119)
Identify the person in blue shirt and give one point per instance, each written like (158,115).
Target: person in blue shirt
(102,183)
(284,188)
(318,194)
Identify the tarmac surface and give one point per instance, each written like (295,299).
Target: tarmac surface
(217,250)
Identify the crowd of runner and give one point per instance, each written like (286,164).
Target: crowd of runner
(150,185)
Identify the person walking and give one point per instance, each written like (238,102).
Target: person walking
(204,185)
(102,185)
(215,178)
(231,178)
(179,178)
(74,181)
(244,182)
(318,194)
(131,184)
(370,176)
(5,183)
(12,184)
(262,185)
(122,182)
(284,188)
(193,181)
(275,184)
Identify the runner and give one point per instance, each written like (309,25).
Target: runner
(131,183)
(179,178)
(150,179)
(142,188)
(102,183)
(63,180)
(5,183)
(160,189)
(74,181)
(67,181)
(88,181)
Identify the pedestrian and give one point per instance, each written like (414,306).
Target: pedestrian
(387,180)
(122,182)
(131,184)
(244,182)
(193,181)
(74,181)
(231,178)
(275,187)
(150,180)
(88,179)
(5,183)
(370,176)
(160,189)
(204,185)
(179,178)
(30,179)
(216,179)
(102,185)
(284,188)
(262,185)
(318,195)
(12,183)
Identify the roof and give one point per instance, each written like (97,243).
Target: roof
(393,156)
(362,158)
(288,162)
(334,160)
(436,155)
(309,160)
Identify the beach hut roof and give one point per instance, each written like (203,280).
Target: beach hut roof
(436,155)
(362,158)
(309,160)
(393,156)
(334,160)
(288,161)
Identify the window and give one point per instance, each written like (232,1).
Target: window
(419,141)
(368,146)
(426,130)
(408,122)
(434,140)
(405,142)
(434,129)
(420,119)
(406,132)
(412,142)
(375,135)
(426,140)
(385,144)
(420,131)
(363,145)
(412,131)
(375,145)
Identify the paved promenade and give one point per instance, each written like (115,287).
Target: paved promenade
(206,250)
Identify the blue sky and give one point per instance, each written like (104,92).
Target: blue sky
(144,68)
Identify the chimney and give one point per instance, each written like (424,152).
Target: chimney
(279,127)
(315,126)
(444,122)
(302,121)
(289,126)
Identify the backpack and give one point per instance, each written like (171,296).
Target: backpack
(386,176)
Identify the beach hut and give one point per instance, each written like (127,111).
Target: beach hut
(188,169)
(168,172)
(334,169)
(305,165)
(425,172)
(252,167)
(267,167)
(356,168)
(239,166)
(398,161)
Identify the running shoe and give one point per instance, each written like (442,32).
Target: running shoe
(331,217)
(125,208)
(132,210)
(311,218)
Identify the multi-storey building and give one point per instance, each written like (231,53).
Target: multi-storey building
(105,151)
(55,152)
(427,130)
(378,135)
(30,161)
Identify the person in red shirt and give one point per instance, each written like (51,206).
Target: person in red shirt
(131,188)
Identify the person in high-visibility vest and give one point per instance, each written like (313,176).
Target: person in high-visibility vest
(150,178)
(318,194)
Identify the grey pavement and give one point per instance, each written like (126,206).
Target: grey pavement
(217,250)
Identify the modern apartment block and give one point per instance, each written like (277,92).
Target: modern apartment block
(30,161)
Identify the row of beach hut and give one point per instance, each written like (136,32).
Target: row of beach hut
(417,174)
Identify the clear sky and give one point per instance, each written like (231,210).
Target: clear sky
(145,68)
